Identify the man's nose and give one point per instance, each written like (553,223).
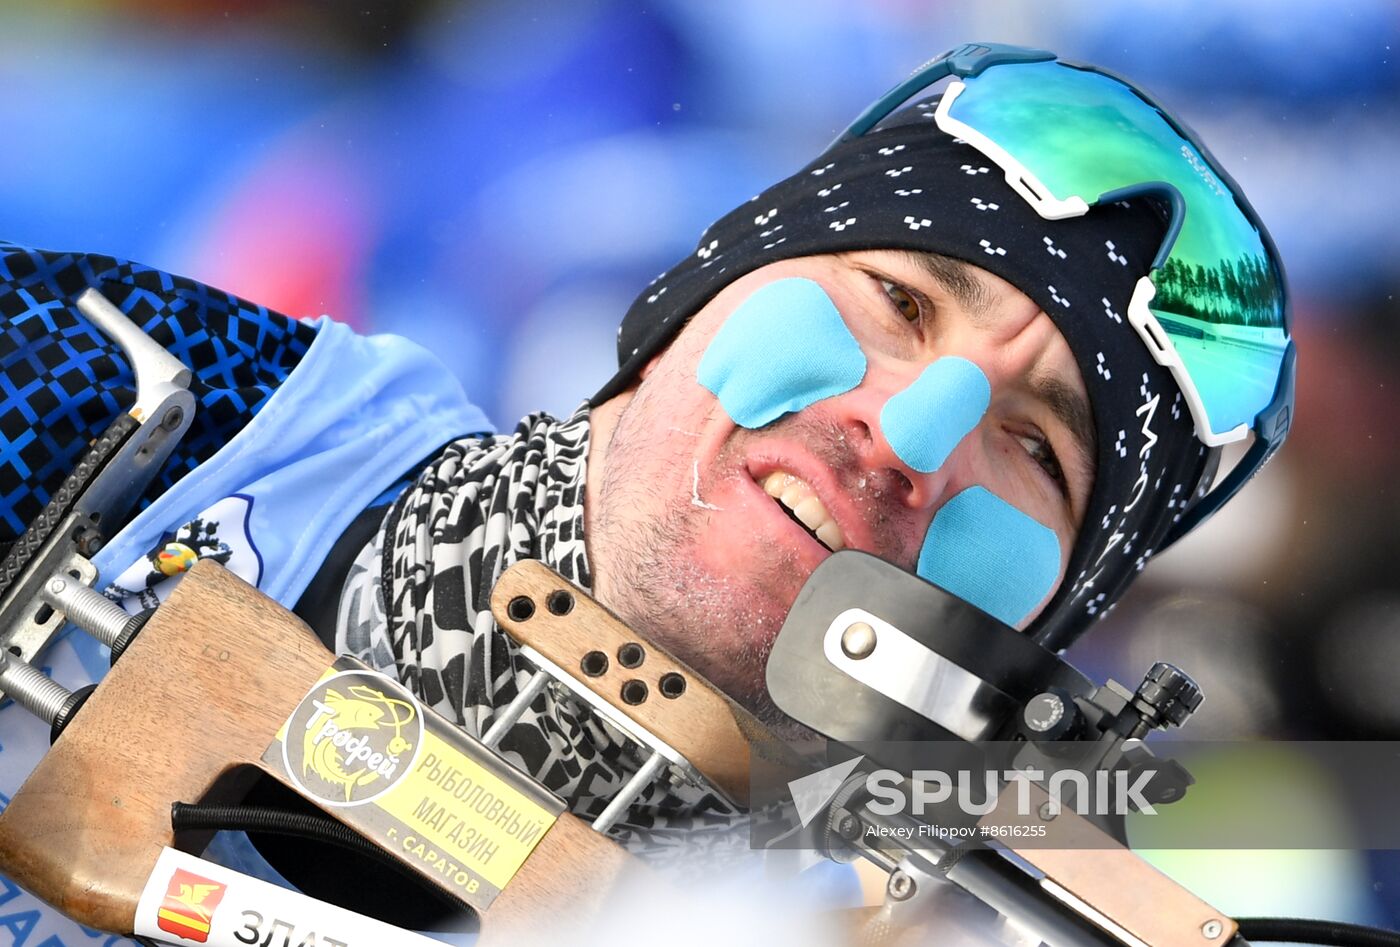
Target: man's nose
(907,428)
(878,460)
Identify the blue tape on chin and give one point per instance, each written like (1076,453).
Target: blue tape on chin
(926,421)
(784,348)
(984,550)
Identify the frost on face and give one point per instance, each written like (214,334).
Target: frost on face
(695,489)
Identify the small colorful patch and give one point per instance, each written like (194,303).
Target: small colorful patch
(176,558)
(220,532)
(984,550)
(926,422)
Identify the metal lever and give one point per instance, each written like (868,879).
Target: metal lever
(92,503)
(164,408)
(158,373)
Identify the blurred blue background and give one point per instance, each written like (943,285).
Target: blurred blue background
(498,180)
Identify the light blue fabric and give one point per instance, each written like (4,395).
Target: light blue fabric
(350,419)
(926,421)
(785,347)
(983,549)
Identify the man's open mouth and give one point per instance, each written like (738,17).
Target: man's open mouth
(799,501)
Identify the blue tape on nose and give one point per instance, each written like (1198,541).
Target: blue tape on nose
(783,349)
(924,422)
(984,550)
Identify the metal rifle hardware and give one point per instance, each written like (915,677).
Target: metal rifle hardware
(92,503)
(210,689)
(222,677)
(223,681)
(682,725)
(1099,893)
(887,665)
(204,690)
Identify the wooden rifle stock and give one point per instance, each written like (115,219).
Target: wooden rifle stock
(202,692)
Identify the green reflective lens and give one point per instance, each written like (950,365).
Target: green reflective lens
(1219,296)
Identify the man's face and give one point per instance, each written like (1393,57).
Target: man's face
(690,539)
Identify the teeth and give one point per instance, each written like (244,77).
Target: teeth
(830,534)
(775,482)
(799,498)
(810,511)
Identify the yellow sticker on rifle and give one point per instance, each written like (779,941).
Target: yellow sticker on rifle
(456,808)
(364,748)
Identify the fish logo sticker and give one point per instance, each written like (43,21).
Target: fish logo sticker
(352,738)
(188,908)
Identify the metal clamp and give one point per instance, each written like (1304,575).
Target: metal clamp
(92,503)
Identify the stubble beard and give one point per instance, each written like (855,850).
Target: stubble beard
(711,622)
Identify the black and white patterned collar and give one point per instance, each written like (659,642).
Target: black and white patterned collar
(417,605)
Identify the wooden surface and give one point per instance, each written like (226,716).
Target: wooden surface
(565,883)
(702,724)
(1091,865)
(202,690)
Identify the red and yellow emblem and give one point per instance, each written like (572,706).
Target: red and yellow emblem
(188,908)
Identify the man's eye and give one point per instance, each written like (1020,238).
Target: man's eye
(903,300)
(1042,453)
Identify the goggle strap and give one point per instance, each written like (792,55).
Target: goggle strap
(966,60)
(1206,506)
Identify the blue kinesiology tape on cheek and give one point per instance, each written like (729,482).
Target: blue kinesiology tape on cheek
(984,550)
(924,422)
(783,349)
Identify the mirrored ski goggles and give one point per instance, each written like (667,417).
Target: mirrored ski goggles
(1214,307)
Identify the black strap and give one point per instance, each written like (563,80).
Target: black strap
(320,603)
(347,879)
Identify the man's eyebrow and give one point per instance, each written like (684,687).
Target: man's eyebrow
(1072,408)
(956,278)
